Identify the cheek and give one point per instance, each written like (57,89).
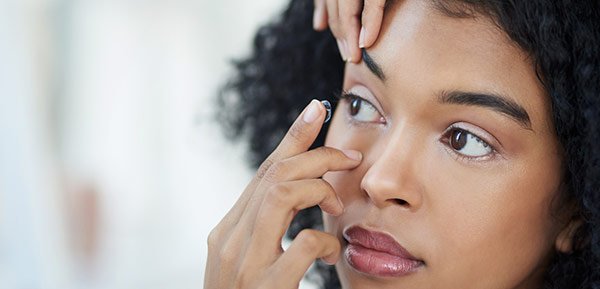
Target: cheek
(494,221)
(342,135)
(347,183)
(503,214)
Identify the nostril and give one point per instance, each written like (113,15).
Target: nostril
(401,202)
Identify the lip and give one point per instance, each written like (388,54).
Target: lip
(378,254)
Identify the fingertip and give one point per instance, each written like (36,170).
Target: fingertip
(353,154)
(334,257)
(329,261)
(371,34)
(361,37)
(347,55)
(313,111)
(319,16)
(319,23)
(332,207)
(341,48)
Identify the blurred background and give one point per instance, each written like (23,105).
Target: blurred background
(112,169)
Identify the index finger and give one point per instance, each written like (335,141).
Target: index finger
(372,17)
(298,139)
(300,136)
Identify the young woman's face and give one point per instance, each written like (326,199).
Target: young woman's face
(460,161)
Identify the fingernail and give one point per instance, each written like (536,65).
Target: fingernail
(341,49)
(347,52)
(327,106)
(316,18)
(328,262)
(312,111)
(352,154)
(361,37)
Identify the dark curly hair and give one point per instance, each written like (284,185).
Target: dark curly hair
(291,64)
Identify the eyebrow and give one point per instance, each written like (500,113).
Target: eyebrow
(372,65)
(495,102)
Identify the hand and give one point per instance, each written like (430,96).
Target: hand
(342,16)
(244,249)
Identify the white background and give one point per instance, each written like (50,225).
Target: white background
(112,170)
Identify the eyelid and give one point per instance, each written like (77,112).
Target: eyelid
(349,95)
(365,94)
(480,133)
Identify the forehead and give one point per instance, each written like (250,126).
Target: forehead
(422,50)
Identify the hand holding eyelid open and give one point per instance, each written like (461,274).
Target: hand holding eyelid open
(354,23)
(245,247)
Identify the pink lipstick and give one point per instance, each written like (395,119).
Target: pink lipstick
(378,254)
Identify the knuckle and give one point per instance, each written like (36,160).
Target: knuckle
(275,172)
(309,240)
(264,168)
(214,238)
(278,194)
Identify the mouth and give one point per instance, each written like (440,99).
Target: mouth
(378,254)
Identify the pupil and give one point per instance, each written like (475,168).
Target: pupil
(355,106)
(458,139)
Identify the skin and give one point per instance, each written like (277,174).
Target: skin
(244,249)
(354,23)
(480,222)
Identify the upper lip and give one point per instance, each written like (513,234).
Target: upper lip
(376,241)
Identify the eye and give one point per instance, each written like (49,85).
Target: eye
(362,110)
(468,144)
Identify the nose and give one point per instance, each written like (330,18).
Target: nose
(394,176)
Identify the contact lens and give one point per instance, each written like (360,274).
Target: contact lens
(327,106)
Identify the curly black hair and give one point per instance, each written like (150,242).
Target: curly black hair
(291,63)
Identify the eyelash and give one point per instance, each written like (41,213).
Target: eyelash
(344,95)
(445,139)
(349,97)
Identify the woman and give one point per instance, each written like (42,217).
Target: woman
(463,152)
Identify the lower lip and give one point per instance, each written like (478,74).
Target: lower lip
(379,263)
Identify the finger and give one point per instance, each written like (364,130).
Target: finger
(299,138)
(280,205)
(372,16)
(333,17)
(334,26)
(320,15)
(349,14)
(311,164)
(308,246)
(305,166)
(302,133)
(342,48)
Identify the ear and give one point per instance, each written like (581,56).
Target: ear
(564,240)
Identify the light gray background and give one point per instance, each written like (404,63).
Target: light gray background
(112,172)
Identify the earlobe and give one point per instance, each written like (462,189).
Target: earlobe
(564,240)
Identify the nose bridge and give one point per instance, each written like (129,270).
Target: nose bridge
(392,177)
